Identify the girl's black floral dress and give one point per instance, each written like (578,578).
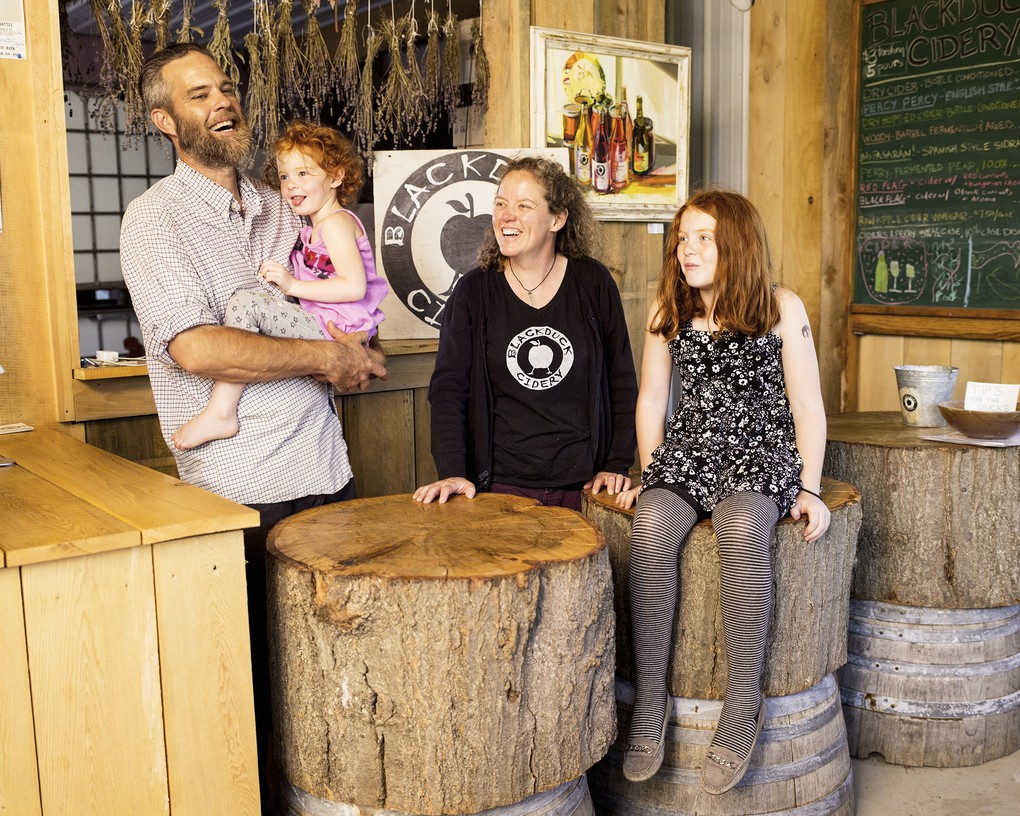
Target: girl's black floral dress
(732,430)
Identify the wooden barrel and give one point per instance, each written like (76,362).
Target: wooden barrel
(569,799)
(932,687)
(941,524)
(441,658)
(807,637)
(800,765)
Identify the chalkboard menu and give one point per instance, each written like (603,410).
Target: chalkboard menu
(938,155)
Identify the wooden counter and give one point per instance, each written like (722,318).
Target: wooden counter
(125,679)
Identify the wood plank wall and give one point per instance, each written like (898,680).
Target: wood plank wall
(38,325)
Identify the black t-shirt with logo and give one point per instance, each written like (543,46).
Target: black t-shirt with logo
(539,361)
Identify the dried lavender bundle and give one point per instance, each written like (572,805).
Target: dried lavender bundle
(431,78)
(291,60)
(159,12)
(347,66)
(318,65)
(135,116)
(363,124)
(185,33)
(263,97)
(480,85)
(450,85)
(220,46)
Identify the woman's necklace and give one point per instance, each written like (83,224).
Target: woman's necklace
(528,291)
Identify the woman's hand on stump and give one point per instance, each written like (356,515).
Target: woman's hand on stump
(612,482)
(817,513)
(444,489)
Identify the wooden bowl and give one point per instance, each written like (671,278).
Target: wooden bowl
(981,424)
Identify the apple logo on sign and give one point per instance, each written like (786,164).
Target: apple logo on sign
(461,237)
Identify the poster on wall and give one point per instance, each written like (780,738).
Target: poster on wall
(622,109)
(12,30)
(432,210)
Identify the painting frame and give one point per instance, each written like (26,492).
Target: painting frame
(567,62)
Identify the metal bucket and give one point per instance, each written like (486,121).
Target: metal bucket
(922,388)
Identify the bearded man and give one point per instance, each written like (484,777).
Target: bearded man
(187,244)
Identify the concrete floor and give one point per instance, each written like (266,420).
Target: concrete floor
(991,789)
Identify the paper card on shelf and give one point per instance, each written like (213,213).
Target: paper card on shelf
(991,397)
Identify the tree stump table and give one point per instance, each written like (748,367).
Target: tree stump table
(933,677)
(801,760)
(440,659)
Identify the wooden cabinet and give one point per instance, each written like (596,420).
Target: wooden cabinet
(125,683)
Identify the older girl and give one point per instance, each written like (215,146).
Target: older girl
(744,446)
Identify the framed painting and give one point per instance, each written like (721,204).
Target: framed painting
(622,110)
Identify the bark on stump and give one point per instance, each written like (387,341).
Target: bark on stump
(941,524)
(439,659)
(808,634)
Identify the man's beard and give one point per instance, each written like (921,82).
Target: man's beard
(196,141)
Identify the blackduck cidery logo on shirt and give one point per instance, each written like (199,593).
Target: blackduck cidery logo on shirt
(539,358)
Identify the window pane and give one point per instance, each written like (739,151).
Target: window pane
(79,194)
(132,160)
(84,268)
(74,111)
(107,232)
(108,267)
(81,232)
(77,155)
(106,194)
(103,149)
(131,188)
(161,162)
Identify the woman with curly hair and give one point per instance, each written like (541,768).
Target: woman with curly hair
(534,389)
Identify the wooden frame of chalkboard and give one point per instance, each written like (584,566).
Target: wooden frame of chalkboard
(936,239)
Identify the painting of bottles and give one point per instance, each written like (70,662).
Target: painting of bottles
(621,108)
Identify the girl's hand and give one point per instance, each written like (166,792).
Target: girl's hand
(277,273)
(817,513)
(444,489)
(625,498)
(613,482)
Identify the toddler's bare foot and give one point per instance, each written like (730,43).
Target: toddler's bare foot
(202,428)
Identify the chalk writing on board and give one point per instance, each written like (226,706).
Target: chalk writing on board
(938,159)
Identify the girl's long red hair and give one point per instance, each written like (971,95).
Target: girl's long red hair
(745,300)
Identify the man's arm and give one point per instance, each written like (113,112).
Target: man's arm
(235,355)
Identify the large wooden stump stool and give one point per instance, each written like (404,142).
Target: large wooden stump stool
(934,672)
(801,760)
(440,659)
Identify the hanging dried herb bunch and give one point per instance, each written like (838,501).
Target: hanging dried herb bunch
(160,13)
(347,67)
(220,46)
(431,78)
(363,122)
(291,60)
(263,97)
(185,32)
(135,118)
(318,65)
(394,96)
(450,85)
(480,85)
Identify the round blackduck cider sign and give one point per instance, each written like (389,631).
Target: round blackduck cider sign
(432,211)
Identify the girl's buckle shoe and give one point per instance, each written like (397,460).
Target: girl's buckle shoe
(642,760)
(723,768)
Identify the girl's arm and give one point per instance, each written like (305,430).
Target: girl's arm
(652,401)
(800,368)
(339,232)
